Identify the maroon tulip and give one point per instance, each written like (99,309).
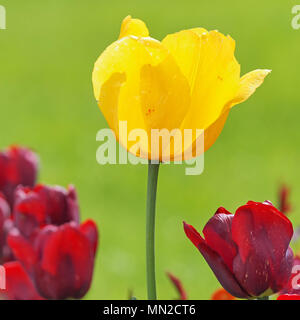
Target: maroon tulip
(5,225)
(42,205)
(19,286)
(60,259)
(248,252)
(18,166)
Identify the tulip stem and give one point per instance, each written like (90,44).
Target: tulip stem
(150,229)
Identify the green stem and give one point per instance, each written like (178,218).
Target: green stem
(150,229)
(263,298)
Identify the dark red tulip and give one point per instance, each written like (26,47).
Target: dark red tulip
(19,286)
(249,251)
(60,259)
(5,225)
(18,166)
(178,285)
(42,205)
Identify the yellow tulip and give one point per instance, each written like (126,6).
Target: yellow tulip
(189,80)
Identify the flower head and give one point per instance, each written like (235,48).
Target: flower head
(42,205)
(249,251)
(189,80)
(60,260)
(18,166)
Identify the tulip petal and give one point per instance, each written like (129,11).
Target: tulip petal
(19,285)
(22,250)
(90,230)
(164,92)
(216,263)
(193,234)
(262,234)
(217,234)
(248,84)
(133,27)
(221,271)
(208,62)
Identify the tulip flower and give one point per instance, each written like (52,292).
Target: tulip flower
(19,286)
(18,166)
(189,80)
(248,251)
(60,259)
(42,205)
(222,294)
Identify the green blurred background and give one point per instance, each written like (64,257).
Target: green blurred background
(46,59)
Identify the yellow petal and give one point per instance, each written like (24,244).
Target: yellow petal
(198,31)
(165,96)
(133,27)
(248,84)
(208,62)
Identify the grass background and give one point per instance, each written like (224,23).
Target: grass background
(46,58)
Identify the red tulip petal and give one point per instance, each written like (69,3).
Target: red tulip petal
(193,234)
(72,203)
(22,250)
(19,286)
(217,233)
(262,235)
(216,263)
(222,210)
(90,230)
(221,271)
